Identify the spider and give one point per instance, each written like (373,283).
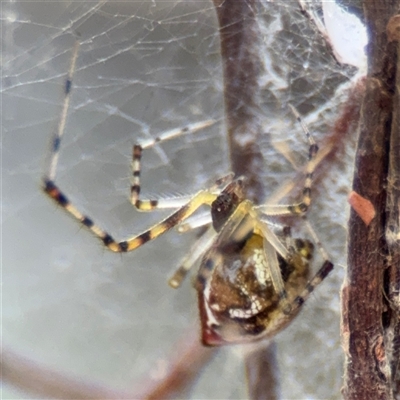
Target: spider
(252,281)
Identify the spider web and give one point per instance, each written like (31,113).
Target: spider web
(145,67)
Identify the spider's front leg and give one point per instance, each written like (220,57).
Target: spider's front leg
(132,243)
(51,189)
(149,205)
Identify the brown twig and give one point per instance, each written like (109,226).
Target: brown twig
(262,371)
(182,370)
(392,282)
(239,37)
(240,42)
(365,310)
(43,382)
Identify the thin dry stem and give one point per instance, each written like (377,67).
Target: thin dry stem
(366,313)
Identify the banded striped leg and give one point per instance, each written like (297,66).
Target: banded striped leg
(302,206)
(57,135)
(52,190)
(132,243)
(148,205)
(321,274)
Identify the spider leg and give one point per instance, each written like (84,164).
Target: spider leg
(195,222)
(52,190)
(321,274)
(132,243)
(276,277)
(274,224)
(300,209)
(148,205)
(302,206)
(315,237)
(198,250)
(270,251)
(57,135)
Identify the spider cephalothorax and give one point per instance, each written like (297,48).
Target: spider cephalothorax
(226,202)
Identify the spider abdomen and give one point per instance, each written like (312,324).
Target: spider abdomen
(238,302)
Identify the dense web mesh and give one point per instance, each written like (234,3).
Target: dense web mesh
(145,67)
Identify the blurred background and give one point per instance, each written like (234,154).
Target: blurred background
(145,67)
